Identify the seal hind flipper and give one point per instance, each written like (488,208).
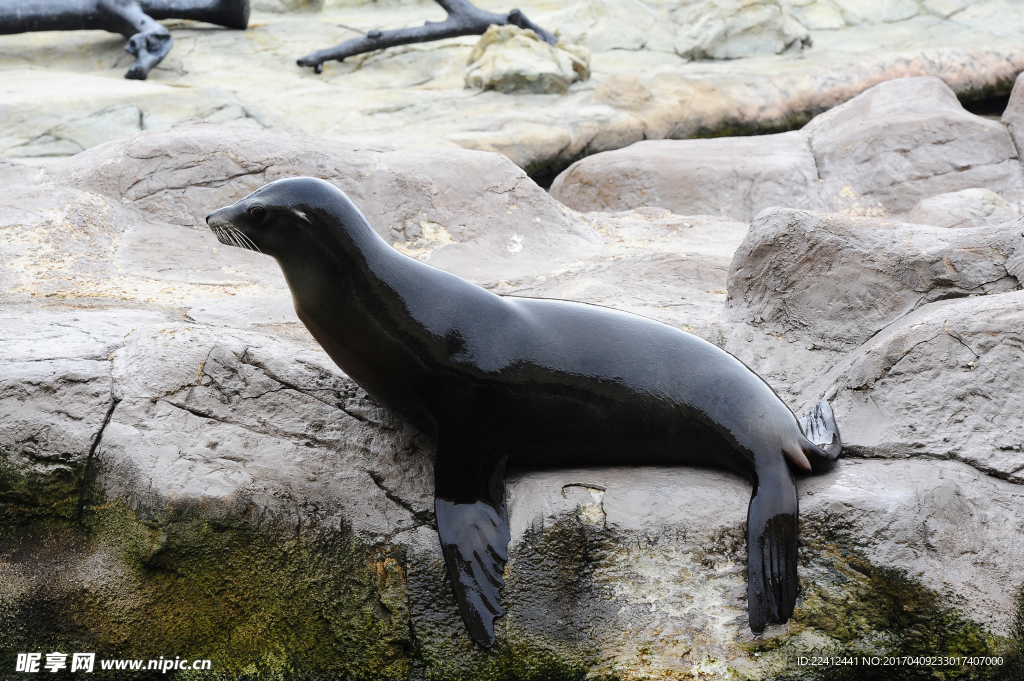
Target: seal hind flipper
(771,552)
(474,540)
(819,427)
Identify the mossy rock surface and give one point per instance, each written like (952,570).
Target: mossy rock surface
(262,601)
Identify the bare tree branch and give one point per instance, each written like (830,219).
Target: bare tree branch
(148,41)
(463,19)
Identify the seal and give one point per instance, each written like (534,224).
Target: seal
(498,379)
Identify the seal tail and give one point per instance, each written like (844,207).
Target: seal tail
(771,552)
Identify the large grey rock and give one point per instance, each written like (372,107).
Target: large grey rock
(731,29)
(943,382)
(1013,115)
(432,203)
(668,267)
(939,521)
(229,476)
(836,280)
(905,140)
(734,177)
(209,414)
(910,331)
(967,208)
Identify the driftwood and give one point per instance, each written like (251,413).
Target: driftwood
(148,41)
(463,19)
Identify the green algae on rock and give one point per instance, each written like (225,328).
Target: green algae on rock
(261,601)
(849,608)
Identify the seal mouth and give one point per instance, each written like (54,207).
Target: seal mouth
(230,235)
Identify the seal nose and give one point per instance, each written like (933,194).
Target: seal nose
(215,219)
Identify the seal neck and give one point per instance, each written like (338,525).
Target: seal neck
(344,280)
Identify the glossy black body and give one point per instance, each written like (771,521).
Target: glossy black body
(535,382)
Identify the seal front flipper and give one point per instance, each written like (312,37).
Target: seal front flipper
(771,549)
(474,537)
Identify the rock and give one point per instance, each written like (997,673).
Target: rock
(905,140)
(909,331)
(511,59)
(1000,17)
(730,29)
(817,15)
(603,25)
(668,267)
(967,208)
(944,8)
(623,91)
(80,111)
(877,11)
(55,398)
(734,177)
(417,199)
(943,382)
(183,452)
(415,96)
(837,281)
(937,520)
(1013,115)
(286,5)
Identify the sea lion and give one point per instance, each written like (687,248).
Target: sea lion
(496,378)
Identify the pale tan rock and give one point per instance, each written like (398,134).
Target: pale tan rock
(877,11)
(730,29)
(944,8)
(48,113)
(415,96)
(1000,17)
(279,6)
(623,91)
(817,15)
(604,25)
(511,59)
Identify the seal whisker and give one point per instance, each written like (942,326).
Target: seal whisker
(219,231)
(250,244)
(233,235)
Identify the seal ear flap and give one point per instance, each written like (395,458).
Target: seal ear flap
(771,554)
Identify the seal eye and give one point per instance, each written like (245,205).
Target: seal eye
(258,212)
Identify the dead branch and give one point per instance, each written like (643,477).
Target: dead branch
(463,19)
(148,40)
